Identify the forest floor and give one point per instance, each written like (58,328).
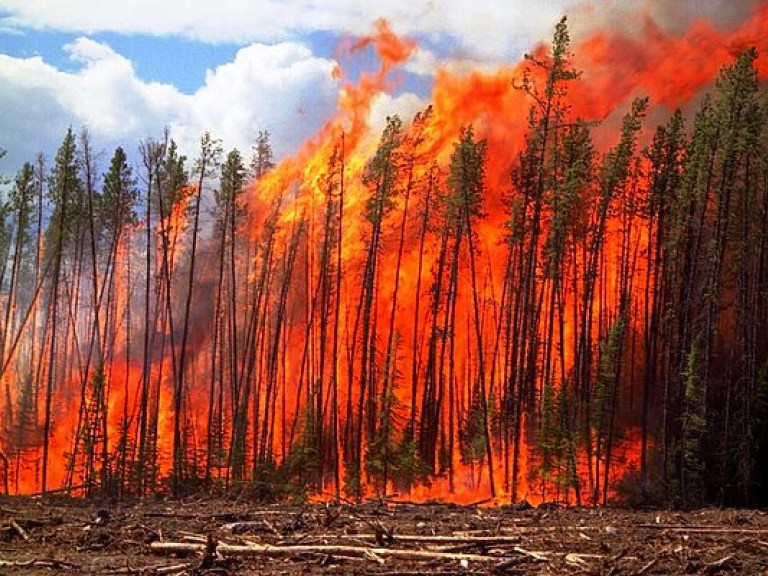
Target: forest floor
(221,537)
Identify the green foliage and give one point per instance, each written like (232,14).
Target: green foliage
(353,487)
(65,181)
(209,159)
(386,458)
(228,197)
(553,461)
(381,449)
(381,174)
(665,156)
(607,377)
(741,108)
(466,180)
(555,169)
(119,194)
(65,192)
(5,236)
(173,180)
(568,440)
(262,160)
(21,201)
(617,162)
(472,433)
(232,176)
(303,460)
(560,67)
(409,469)
(547,441)
(694,425)
(573,166)
(557,68)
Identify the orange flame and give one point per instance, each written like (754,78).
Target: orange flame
(296,193)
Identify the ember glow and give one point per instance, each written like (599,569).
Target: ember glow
(456,306)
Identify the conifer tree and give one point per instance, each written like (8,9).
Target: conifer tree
(20,206)
(64,189)
(117,215)
(228,213)
(466,181)
(550,174)
(381,177)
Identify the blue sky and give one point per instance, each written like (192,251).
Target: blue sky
(125,70)
(156,58)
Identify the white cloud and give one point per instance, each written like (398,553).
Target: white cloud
(405,105)
(483,29)
(106,95)
(282,88)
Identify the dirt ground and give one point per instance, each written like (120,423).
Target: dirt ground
(205,537)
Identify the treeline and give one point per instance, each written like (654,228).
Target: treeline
(382,319)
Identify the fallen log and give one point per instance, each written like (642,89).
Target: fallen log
(141,570)
(524,528)
(39,563)
(703,529)
(647,567)
(537,556)
(579,559)
(724,563)
(438,539)
(249,526)
(19,530)
(175,569)
(250,550)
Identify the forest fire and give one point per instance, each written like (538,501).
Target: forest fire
(500,299)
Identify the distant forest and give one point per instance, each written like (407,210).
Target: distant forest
(507,308)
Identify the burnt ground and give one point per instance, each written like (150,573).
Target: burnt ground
(207,537)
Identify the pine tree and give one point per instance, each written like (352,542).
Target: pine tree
(152,152)
(64,189)
(381,176)
(694,424)
(466,181)
(262,160)
(614,175)
(665,173)
(117,215)
(604,402)
(550,173)
(228,213)
(20,205)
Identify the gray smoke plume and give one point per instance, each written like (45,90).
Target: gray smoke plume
(675,15)
(672,16)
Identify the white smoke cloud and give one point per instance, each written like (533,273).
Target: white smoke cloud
(282,88)
(482,29)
